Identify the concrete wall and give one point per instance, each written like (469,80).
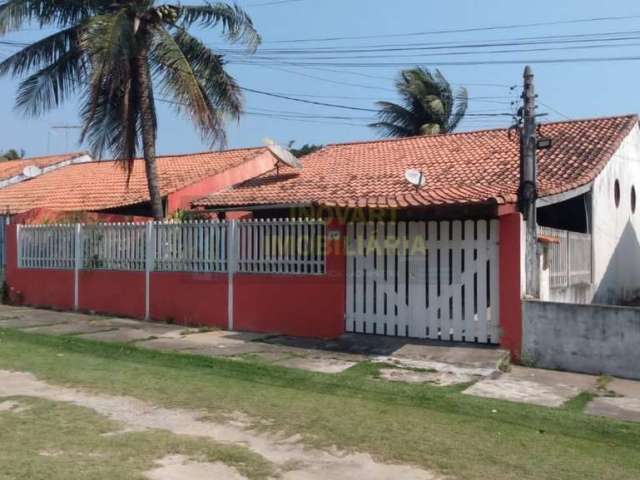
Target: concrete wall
(582,338)
(616,230)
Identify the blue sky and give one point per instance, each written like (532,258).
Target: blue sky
(570,90)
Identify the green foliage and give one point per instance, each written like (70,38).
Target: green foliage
(12,154)
(188,215)
(429,106)
(305,149)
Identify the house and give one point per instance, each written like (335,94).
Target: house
(84,184)
(348,244)
(587,186)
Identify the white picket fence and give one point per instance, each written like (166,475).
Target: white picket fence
(570,258)
(284,246)
(191,247)
(46,246)
(121,246)
(281,246)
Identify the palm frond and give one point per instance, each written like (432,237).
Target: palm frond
(389,129)
(180,81)
(461,105)
(111,47)
(390,112)
(220,87)
(236,24)
(50,86)
(15,14)
(42,53)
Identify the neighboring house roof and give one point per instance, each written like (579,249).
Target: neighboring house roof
(11,171)
(461,168)
(102,185)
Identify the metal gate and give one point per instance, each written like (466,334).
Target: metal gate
(436,280)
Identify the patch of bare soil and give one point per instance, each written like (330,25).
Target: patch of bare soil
(294,460)
(12,406)
(179,467)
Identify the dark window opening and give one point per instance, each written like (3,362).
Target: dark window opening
(573,214)
(616,193)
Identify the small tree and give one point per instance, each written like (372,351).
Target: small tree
(306,149)
(12,154)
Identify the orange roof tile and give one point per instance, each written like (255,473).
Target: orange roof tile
(461,168)
(11,168)
(103,185)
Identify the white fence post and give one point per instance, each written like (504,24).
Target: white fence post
(148,268)
(232,265)
(77,265)
(19,247)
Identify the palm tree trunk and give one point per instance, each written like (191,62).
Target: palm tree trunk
(148,120)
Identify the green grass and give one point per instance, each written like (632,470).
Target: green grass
(437,428)
(52,440)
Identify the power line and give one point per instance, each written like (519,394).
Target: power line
(478,62)
(276,2)
(462,30)
(311,102)
(557,112)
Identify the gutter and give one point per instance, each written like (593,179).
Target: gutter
(561,197)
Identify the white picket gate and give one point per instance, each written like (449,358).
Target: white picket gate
(436,280)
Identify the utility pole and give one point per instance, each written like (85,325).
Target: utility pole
(528,190)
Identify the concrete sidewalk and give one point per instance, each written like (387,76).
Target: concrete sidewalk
(486,370)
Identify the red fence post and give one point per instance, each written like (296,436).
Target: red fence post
(510,255)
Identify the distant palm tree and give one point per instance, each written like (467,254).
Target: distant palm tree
(429,106)
(117,54)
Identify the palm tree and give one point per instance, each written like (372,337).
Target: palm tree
(116,54)
(429,106)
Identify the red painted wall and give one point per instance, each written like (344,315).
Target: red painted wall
(299,305)
(302,305)
(36,287)
(189,299)
(511,283)
(182,199)
(112,292)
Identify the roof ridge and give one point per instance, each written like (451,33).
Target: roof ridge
(473,132)
(205,152)
(41,157)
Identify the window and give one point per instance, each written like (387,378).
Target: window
(633,199)
(616,193)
